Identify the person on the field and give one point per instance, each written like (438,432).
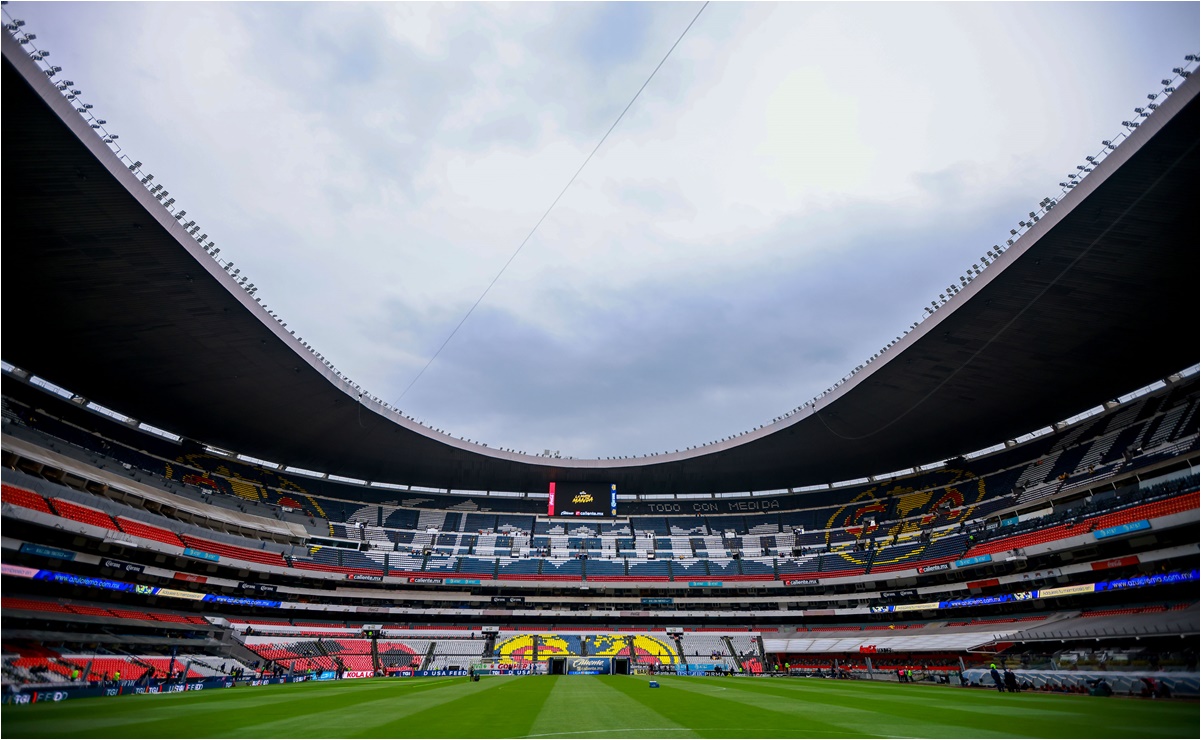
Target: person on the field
(996,678)
(1011,681)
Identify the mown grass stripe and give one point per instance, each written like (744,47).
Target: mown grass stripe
(585,706)
(574,707)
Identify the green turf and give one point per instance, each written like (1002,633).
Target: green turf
(605,707)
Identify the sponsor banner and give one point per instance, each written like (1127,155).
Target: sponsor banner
(984,584)
(503,672)
(964,563)
(976,601)
(588,666)
(462,581)
(326,676)
(174,594)
(704,584)
(658,601)
(18,571)
(18,698)
(201,554)
(47,552)
(880,609)
(801,581)
(358,674)
(550,502)
(105,583)
(239,600)
(364,577)
(263,588)
(508,599)
(423,579)
(933,568)
(1084,588)
(30,696)
(1010,520)
(1122,529)
(190,577)
(693,669)
(817,613)
(905,593)
(915,607)
(1115,562)
(1155,580)
(430,674)
(1025,596)
(123,566)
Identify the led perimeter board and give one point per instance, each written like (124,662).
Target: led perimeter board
(582,499)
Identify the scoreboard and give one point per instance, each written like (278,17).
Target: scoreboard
(582,499)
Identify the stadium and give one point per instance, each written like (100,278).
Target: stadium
(988,529)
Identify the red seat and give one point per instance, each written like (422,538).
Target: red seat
(69,510)
(21,497)
(148,532)
(268,557)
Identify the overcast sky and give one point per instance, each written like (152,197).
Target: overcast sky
(791,189)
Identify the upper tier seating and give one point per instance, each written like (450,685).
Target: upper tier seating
(71,510)
(148,532)
(1072,529)
(268,557)
(21,497)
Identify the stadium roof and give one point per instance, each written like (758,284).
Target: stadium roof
(108,295)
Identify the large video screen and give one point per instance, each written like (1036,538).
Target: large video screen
(582,499)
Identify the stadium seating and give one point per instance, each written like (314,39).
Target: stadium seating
(267,557)
(148,532)
(71,510)
(21,497)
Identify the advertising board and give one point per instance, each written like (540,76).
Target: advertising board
(589,666)
(582,499)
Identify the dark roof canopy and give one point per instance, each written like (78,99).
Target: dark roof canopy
(107,295)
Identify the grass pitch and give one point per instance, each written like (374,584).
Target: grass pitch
(602,707)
